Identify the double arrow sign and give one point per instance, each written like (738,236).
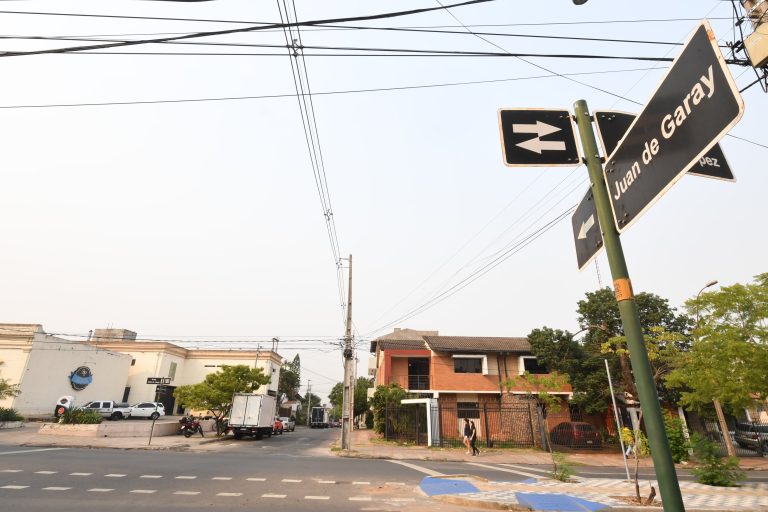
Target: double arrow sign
(536,144)
(553,142)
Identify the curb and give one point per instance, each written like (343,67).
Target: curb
(491,505)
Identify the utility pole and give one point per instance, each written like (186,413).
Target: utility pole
(309,399)
(663,465)
(349,396)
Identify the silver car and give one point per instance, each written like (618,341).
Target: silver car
(289,424)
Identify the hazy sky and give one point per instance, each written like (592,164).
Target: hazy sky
(202,220)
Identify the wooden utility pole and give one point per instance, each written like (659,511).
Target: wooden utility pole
(309,400)
(349,396)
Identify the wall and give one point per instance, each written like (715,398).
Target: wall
(46,375)
(445,379)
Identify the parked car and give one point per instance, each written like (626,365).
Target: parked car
(576,434)
(289,424)
(753,436)
(64,404)
(278,428)
(151,410)
(109,409)
(335,424)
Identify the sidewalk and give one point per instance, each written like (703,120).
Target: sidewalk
(543,493)
(28,436)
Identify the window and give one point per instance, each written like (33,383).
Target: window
(126,392)
(469,410)
(531,365)
(133,362)
(172,371)
(467,365)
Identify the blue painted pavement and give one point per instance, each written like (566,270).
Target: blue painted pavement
(434,486)
(559,502)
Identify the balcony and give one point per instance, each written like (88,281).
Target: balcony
(411,382)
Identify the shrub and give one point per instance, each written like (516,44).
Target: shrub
(711,468)
(9,414)
(368,419)
(678,445)
(563,469)
(80,417)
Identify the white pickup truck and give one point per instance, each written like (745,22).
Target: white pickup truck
(109,409)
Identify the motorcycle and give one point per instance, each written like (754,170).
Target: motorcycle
(190,425)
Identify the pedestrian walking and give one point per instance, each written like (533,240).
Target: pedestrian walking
(467,434)
(473,438)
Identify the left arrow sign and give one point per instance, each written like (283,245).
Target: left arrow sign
(522,150)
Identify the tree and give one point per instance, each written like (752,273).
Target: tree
(361,395)
(8,390)
(383,397)
(290,379)
(729,354)
(215,393)
(301,413)
(336,398)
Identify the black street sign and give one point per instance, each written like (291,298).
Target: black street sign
(695,104)
(158,380)
(586,231)
(535,137)
(613,124)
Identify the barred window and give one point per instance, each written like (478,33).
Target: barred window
(468,410)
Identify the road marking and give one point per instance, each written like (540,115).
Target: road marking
(326,481)
(56,488)
(99,489)
(229,494)
(11,471)
(521,473)
(548,471)
(183,477)
(290,481)
(422,469)
(256,479)
(187,493)
(394,483)
(221,478)
(401,500)
(361,483)
(273,495)
(114,475)
(32,451)
(360,498)
(14,487)
(80,474)
(151,476)
(317,497)
(143,491)
(46,472)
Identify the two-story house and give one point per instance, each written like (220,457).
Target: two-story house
(467,375)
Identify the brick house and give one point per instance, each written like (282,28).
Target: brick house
(465,374)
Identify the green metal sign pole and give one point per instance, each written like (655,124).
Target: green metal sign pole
(641,367)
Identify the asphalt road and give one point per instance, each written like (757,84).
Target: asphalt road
(290,472)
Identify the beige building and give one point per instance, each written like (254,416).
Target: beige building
(111,365)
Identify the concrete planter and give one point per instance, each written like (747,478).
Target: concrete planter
(123,428)
(11,424)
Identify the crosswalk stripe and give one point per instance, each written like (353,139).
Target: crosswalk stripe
(80,474)
(99,489)
(151,476)
(46,472)
(361,483)
(32,451)
(221,478)
(56,488)
(422,469)
(273,495)
(256,479)
(547,471)
(360,498)
(187,493)
(114,475)
(15,487)
(11,471)
(229,494)
(143,491)
(291,481)
(487,466)
(326,481)
(184,477)
(317,497)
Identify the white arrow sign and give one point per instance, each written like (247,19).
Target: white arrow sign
(537,145)
(586,226)
(539,128)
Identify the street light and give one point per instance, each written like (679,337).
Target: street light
(710,283)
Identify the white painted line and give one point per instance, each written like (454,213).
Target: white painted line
(32,451)
(360,498)
(80,474)
(221,478)
(114,475)
(521,473)
(290,481)
(317,497)
(187,493)
(46,472)
(151,476)
(273,495)
(361,483)
(229,494)
(394,483)
(184,477)
(401,500)
(99,489)
(143,491)
(326,481)
(256,479)
(14,487)
(526,468)
(56,488)
(11,471)
(421,469)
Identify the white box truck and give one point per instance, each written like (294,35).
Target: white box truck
(319,418)
(252,415)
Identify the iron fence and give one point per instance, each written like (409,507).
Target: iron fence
(749,438)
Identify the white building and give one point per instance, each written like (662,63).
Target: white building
(112,365)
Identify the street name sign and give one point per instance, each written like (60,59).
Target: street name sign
(613,124)
(586,230)
(695,104)
(158,380)
(532,137)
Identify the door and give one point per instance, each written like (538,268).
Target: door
(418,373)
